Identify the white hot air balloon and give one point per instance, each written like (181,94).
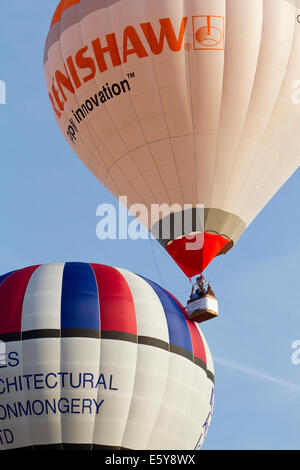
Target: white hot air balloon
(99,358)
(181,101)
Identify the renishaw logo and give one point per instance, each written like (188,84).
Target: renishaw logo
(100,54)
(208,32)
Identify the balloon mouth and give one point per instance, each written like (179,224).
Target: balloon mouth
(194,252)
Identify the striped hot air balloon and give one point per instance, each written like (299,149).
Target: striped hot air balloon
(99,358)
(185,102)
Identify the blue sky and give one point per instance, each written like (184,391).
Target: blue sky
(48,203)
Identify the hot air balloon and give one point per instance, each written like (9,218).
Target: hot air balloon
(99,358)
(185,102)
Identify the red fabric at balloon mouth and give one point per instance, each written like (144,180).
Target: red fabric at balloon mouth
(193,255)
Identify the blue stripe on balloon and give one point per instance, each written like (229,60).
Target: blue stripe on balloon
(2,278)
(179,333)
(79,300)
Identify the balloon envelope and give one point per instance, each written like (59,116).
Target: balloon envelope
(99,358)
(181,101)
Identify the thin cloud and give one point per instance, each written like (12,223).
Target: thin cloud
(257,374)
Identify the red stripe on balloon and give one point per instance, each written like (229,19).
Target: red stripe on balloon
(198,345)
(117,312)
(12,293)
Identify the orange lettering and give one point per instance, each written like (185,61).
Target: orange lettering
(112,48)
(56,96)
(166,31)
(85,62)
(73,72)
(131,35)
(64,81)
(58,114)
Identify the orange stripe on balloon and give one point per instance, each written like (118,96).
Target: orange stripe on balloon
(62,7)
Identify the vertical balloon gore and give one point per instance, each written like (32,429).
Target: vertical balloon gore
(193,259)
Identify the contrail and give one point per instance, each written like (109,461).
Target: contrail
(257,374)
